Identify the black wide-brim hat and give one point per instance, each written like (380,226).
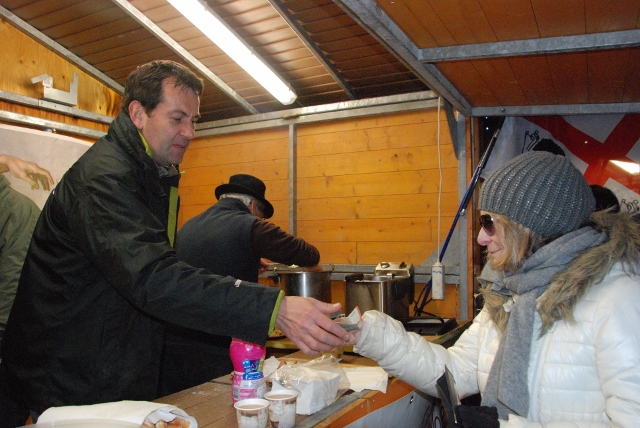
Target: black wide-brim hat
(247,185)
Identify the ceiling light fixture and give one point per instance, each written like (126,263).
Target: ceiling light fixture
(205,19)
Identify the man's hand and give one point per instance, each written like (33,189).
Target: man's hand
(27,171)
(304,320)
(316,268)
(264,265)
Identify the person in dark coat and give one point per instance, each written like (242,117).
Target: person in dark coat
(232,238)
(18,216)
(101,279)
(605,198)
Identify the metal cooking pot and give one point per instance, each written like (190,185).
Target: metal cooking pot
(306,284)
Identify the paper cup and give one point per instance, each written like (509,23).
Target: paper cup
(282,407)
(252,413)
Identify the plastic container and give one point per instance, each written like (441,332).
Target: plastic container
(248,380)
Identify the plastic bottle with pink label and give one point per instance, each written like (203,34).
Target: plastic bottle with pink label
(247,359)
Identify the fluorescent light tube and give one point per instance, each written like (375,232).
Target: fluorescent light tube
(630,167)
(206,21)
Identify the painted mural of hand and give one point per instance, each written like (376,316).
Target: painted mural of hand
(27,171)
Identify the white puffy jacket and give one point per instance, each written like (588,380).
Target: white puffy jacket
(581,374)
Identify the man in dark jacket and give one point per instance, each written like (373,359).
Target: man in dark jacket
(101,278)
(232,236)
(229,238)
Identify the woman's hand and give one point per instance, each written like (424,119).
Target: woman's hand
(354,336)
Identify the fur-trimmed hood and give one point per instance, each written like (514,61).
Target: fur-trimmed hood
(570,286)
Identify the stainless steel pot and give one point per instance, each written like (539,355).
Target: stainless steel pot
(306,284)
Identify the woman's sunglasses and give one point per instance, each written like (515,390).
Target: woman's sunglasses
(486,222)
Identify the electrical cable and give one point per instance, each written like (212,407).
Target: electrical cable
(465,201)
(440,184)
(437,270)
(418,311)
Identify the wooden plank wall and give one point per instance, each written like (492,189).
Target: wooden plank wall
(23,58)
(210,162)
(367,188)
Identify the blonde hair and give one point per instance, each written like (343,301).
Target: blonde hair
(518,243)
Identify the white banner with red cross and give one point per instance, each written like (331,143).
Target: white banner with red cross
(606,148)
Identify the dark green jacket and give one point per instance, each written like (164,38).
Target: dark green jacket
(18,216)
(101,280)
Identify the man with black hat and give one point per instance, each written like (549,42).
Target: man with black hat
(230,238)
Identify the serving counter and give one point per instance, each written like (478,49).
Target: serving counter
(211,405)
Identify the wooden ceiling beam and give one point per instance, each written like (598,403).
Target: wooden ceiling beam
(378,24)
(312,46)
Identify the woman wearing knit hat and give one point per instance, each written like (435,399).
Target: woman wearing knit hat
(558,339)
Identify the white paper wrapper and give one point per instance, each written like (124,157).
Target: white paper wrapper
(361,378)
(269,366)
(127,411)
(317,388)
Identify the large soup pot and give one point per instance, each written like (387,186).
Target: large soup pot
(316,284)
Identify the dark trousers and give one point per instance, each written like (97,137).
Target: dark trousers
(13,413)
(190,358)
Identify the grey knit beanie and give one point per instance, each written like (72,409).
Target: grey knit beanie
(541,191)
